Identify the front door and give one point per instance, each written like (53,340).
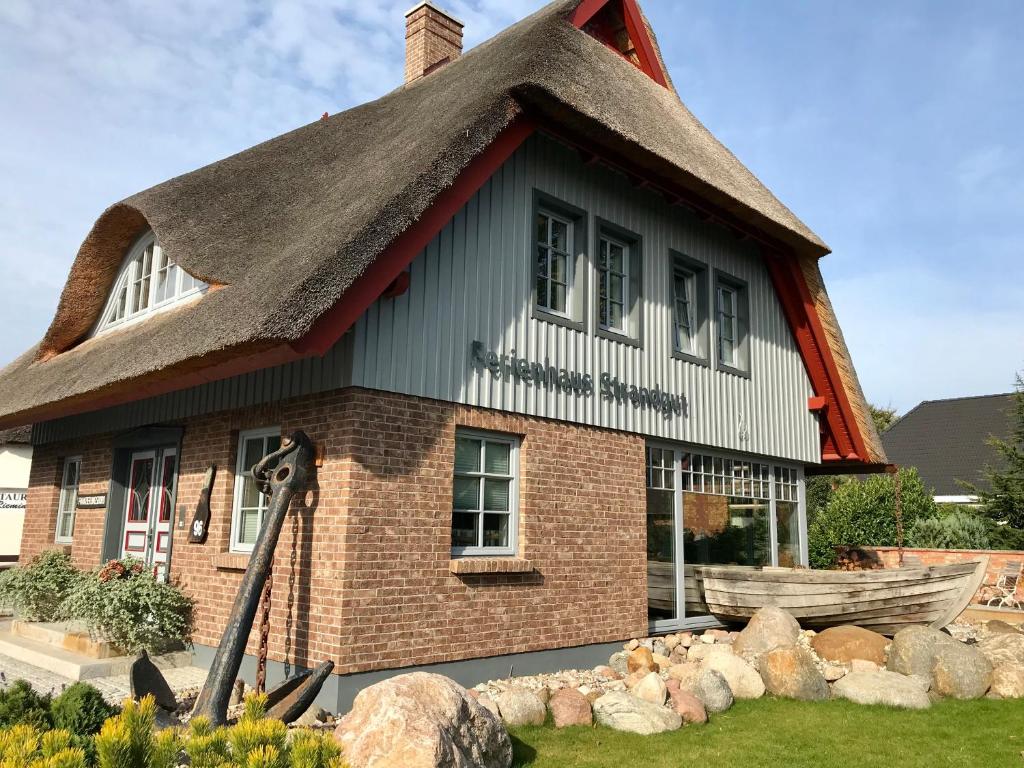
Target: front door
(149,505)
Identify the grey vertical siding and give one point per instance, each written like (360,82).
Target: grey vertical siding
(472,282)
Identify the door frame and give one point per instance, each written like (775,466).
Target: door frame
(122,448)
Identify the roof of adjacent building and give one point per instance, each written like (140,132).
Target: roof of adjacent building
(16,436)
(282,230)
(947,440)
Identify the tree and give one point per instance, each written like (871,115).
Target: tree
(1003,500)
(862,513)
(883,417)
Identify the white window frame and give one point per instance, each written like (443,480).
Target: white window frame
(570,236)
(605,301)
(62,510)
(129,276)
(241,473)
(513,503)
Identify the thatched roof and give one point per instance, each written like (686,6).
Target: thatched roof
(283,229)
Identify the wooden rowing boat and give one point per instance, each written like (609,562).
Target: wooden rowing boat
(884,600)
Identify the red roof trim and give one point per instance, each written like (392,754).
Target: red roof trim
(649,62)
(841,437)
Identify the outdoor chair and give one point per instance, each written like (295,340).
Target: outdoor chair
(1006,583)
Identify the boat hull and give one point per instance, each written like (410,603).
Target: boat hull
(885,601)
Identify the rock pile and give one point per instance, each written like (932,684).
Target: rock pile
(661,683)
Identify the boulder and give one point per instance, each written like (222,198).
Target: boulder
(712,689)
(961,672)
(640,660)
(607,673)
(998,627)
(700,651)
(833,672)
(651,688)
(311,717)
(685,704)
(634,678)
(883,687)
(662,663)
(659,648)
(768,629)
(913,650)
(791,673)
(846,643)
(518,706)
(1007,681)
(489,704)
(624,712)
(679,654)
(619,662)
(421,720)
(744,681)
(1004,648)
(570,707)
(686,674)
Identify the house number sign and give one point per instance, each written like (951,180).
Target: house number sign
(510,367)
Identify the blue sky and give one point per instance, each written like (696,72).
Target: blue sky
(892,129)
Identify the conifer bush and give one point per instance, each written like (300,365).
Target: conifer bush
(81,710)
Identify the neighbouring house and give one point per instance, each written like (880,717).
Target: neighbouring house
(15,463)
(948,442)
(555,343)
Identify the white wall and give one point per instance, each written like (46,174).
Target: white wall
(15,464)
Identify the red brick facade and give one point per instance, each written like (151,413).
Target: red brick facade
(363,572)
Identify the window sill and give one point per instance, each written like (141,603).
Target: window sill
(740,372)
(622,337)
(464,566)
(231,561)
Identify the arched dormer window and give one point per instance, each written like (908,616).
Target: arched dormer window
(148,282)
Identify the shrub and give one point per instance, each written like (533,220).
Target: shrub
(23,746)
(863,513)
(125,604)
(20,705)
(81,710)
(128,741)
(37,590)
(955,530)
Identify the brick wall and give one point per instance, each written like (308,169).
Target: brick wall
(362,571)
(998,561)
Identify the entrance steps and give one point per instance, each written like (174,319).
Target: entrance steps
(76,666)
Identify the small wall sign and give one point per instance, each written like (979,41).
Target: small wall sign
(12,498)
(97,501)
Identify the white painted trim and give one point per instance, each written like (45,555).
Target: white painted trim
(126,275)
(234,545)
(58,539)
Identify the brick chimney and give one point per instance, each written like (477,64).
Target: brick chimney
(433,38)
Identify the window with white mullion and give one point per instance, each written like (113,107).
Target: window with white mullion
(68,500)
(554,265)
(613,284)
(149,281)
(250,504)
(726,325)
(484,495)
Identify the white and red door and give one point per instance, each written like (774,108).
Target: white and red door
(149,507)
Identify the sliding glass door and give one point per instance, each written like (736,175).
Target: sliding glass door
(713,509)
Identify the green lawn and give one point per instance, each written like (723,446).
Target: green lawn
(790,734)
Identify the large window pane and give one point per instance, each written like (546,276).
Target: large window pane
(788,527)
(661,555)
(495,530)
(464,529)
(726,530)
